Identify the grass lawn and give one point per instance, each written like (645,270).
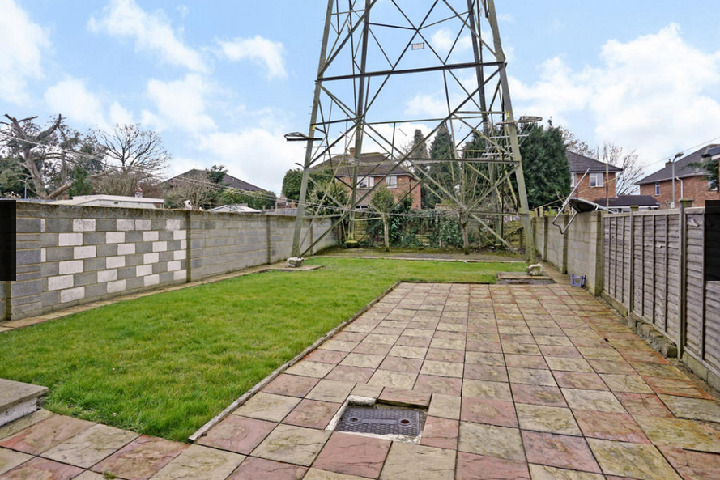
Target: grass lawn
(165,364)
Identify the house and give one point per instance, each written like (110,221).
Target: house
(690,181)
(374,169)
(599,176)
(228,181)
(623,203)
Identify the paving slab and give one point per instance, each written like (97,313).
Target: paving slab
(418,462)
(631,460)
(259,468)
(514,382)
(353,455)
(91,446)
(290,444)
(200,462)
(10,459)
(141,459)
(238,434)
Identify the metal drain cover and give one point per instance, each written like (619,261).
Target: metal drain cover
(381,421)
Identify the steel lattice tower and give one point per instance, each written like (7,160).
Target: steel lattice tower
(373,52)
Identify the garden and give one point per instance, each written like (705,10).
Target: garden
(167,363)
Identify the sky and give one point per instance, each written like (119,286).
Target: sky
(222,81)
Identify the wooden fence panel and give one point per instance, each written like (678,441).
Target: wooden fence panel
(673,277)
(695,283)
(712,324)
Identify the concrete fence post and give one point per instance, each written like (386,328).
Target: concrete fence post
(268,238)
(546,220)
(684,204)
(566,244)
(188,246)
(631,294)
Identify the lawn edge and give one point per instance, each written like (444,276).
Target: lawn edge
(260,385)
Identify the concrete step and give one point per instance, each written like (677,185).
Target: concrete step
(18,399)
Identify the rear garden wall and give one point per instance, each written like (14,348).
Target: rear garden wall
(70,255)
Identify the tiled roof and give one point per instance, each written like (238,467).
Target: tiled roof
(713,152)
(373,164)
(685,167)
(581,163)
(228,181)
(630,201)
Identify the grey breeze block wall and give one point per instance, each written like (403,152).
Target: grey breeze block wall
(68,256)
(578,251)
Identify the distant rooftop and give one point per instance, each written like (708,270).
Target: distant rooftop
(688,166)
(228,181)
(581,164)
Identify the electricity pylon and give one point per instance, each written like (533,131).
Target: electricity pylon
(428,64)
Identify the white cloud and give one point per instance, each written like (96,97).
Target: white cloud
(73,99)
(119,115)
(442,41)
(656,94)
(180,104)
(23,43)
(427,106)
(259,50)
(151,32)
(256,155)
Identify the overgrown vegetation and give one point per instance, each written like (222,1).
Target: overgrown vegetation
(144,366)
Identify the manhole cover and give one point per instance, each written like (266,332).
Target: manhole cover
(381,421)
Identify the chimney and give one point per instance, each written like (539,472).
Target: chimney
(352,152)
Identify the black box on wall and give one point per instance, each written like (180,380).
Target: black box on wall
(712,241)
(7,240)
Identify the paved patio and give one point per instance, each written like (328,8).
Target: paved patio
(538,382)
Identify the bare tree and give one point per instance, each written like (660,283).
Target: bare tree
(136,156)
(629,162)
(575,145)
(194,187)
(33,144)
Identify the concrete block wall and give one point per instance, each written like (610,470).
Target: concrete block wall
(578,251)
(72,255)
(68,256)
(584,252)
(225,242)
(556,243)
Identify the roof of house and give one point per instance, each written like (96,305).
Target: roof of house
(713,152)
(373,164)
(630,201)
(581,164)
(228,181)
(688,166)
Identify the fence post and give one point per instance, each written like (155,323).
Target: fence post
(268,239)
(188,246)
(631,294)
(684,203)
(566,242)
(546,220)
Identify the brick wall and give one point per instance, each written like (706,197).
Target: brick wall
(695,188)
(72,255)
(405,184)
(586,192)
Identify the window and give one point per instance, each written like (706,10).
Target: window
(596,179)
(366,182)
(710,186)
(574,180)
(391,181)
(657,189)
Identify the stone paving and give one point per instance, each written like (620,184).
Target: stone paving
(519,382)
